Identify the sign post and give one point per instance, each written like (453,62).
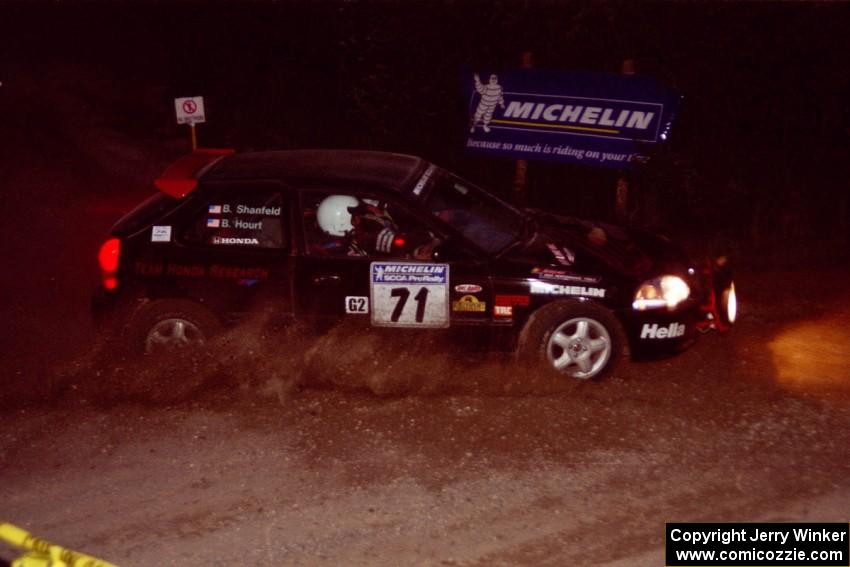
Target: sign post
(621,199)
(190,110)
(522,164)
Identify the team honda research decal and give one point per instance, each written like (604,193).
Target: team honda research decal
(541,288)
(356,304)
(467,288)
(655,331)
(161,234)
(407,294)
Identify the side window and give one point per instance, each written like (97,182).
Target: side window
(349,223)
(239,219)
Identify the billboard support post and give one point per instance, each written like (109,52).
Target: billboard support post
(522,164)
(621,199)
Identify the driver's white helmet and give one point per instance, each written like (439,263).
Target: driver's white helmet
(333,215)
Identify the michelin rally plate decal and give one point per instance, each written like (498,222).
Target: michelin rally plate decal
(408,294)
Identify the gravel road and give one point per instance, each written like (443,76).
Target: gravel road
(752,425)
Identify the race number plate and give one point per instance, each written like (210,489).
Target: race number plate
(409,294)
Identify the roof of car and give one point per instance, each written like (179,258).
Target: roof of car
(395,171)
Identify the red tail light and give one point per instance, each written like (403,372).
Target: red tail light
(108,257)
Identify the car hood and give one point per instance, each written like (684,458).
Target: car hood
(594,248)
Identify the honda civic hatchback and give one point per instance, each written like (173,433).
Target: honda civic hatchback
(393,241)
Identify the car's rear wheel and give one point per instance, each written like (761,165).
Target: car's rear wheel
(172,325)
(572,339)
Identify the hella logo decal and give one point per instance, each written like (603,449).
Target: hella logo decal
(467,288)
(654,331)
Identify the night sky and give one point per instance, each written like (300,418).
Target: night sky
(759,154)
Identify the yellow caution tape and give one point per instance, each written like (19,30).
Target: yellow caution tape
(42,553)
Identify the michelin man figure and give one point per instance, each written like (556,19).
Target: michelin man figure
(491,95)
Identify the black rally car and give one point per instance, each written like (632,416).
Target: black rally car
(395,241)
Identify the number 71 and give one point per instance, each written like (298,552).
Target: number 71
(402,293)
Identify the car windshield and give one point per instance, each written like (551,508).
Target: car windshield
(486,221)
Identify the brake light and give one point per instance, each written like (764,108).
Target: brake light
(108,257)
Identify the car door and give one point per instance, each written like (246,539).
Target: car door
(233,248)
(396,281)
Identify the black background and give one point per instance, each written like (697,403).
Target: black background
(757,166)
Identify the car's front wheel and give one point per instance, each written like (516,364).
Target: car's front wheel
(171,325)
(573,339)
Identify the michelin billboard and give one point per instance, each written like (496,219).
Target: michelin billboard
(594,119)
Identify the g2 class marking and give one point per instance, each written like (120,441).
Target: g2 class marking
(356,304)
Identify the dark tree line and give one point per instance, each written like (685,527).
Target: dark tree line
(759,156)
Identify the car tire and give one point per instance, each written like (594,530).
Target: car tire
(170,325)
(572,339)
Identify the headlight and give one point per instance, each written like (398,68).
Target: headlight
(666,291)
(730,300)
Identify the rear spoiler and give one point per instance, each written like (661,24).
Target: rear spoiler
(181,177)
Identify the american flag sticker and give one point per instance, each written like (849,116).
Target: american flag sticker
(215,210)
(213,223)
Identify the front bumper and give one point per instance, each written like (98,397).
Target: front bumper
(659,333)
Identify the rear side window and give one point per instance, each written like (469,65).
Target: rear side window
(144,215)
(239,219)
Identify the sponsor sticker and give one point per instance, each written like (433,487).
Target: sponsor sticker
(420,185)
(469,304)
(553,274)
(408,294)
(656,331)
(356,304)
(404,273)
(504,304)
(521,300)
(224,240)
(468,288)
(503,311)
(543,288)
(161,234)
(563,255)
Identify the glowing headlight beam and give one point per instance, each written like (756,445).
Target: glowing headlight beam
(667,291)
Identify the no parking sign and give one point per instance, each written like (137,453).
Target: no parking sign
(190,110)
